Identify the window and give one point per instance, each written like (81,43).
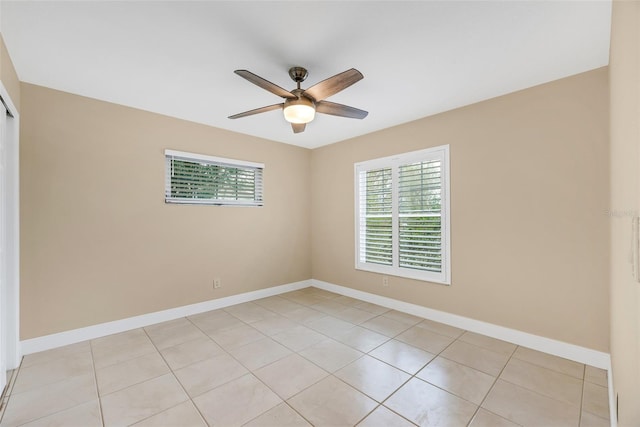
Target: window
(402,215)
(199,179)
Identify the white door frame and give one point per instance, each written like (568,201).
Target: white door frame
(12,353)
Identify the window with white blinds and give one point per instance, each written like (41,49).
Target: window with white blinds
(402,215)
(199,179)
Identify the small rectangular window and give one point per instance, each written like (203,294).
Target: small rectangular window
(199,179)
(402,215)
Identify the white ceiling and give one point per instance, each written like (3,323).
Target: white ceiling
(419,58)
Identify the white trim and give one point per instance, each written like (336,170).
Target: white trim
(48,342)
(574,352)
(13,354)
(613,416)
(382,162)
(214,202)
(4,244)
(447,215)
(218,160)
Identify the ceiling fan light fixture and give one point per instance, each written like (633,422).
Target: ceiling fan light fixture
(300,110)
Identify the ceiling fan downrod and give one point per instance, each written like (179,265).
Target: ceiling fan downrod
(298,74)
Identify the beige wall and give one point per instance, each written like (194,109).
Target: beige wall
(529,231)
(530,187)
(625,162)
(100,244)
(8,75)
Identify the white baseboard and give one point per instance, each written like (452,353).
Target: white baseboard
(536,342)
(573,352)
(48,342)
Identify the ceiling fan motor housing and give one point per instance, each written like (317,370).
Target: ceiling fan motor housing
(298,74)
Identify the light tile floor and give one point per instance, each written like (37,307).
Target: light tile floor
(308,357)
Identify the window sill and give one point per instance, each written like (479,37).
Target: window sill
(406,273)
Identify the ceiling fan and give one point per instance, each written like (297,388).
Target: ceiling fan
(300,105)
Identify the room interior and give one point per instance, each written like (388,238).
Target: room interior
(544,167)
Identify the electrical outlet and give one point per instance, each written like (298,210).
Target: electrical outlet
(217,283)
(385,281)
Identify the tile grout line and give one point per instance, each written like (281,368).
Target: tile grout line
(285,401)
(414,375)
(157,350)
(411,376)
(492,387)
(330,314)
(542,394)
(330,374)
(175,378)
(513,356)
(584,374)
(9,390)
(45,385)
(582,402)
(95,379)
(457,338)
(381,403)
(250,371)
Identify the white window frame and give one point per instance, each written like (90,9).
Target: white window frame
(394,162)
(219,161)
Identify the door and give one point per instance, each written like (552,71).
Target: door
(3,248)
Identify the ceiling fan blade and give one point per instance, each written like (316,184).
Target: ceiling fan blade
(298,127)
(326,107)
(257,111)
(264,84)
(334,84)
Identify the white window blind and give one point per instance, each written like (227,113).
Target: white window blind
(377,242)
(199,179)
(402,215)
